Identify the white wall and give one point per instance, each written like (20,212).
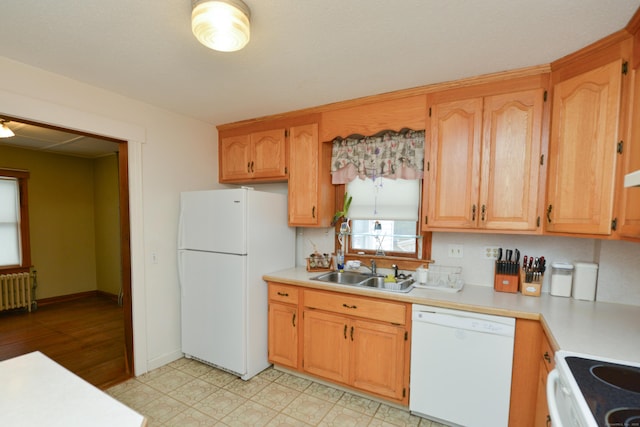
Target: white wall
(619,262)
(168,153)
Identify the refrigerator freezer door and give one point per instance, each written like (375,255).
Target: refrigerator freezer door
(213,221)
(214,308)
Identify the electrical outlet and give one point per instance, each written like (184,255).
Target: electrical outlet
(490,252)
(455,251)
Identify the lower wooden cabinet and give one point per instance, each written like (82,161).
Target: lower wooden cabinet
(546,365)
(283,321)
(283,333)
(378,358)
(326,345)
(354,341)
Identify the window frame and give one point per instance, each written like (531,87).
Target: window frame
(408,255)
(388,260)
(25,242)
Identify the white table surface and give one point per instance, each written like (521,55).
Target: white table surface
(36,391)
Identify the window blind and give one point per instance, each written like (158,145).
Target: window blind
(383,198)
(9,221)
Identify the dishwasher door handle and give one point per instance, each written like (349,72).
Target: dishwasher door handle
(465,322)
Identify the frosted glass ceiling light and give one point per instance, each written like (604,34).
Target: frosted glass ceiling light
(5,132)
(221,24)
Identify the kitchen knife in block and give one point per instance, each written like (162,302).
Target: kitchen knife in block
(507,282)
(531,288)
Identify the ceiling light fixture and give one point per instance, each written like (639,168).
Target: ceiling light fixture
(221,24)
(5,132)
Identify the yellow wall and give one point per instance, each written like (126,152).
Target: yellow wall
(107,224)
(62,200)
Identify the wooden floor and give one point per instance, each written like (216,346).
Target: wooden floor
(85,335)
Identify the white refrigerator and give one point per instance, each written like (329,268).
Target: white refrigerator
(227,240)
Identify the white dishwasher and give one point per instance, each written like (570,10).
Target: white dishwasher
(461,366)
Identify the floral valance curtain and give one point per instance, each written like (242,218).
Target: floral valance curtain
(387,154)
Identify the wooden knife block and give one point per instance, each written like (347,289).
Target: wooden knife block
(532,288)
(507,282)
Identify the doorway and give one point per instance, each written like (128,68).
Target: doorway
(58,141)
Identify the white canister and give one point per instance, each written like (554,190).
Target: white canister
(561,277)
(584,281)
(421,275)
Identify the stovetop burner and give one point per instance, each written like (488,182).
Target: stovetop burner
(627,417)
(611,390)
(622,377)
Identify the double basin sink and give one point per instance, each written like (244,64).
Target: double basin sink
(367,280)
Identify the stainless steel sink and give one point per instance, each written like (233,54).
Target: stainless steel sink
(343,277)
(354,278)
(399,286)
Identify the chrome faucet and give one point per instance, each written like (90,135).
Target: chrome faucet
(372,268)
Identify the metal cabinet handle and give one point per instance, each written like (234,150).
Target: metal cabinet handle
(248,167)
(546,357)
(549,213)
(293,321)
(484,210)
(352,333)
(473,213)
(283,294)
(345,332)
(548,420)
(252,166)
(313,212)
(349,306)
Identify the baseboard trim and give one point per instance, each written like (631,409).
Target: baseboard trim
(162,360)
(73,297)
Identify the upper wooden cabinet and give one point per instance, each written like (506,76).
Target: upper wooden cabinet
(629,205)
(311,194)
(453,157)
(583,149)
(258,156)
(373,117)
(484,156)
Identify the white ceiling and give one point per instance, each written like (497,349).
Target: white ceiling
(32,137)
(302,53)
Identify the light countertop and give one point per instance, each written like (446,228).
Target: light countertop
(590,327)
(36,391)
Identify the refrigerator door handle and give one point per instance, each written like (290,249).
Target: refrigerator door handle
(180,272)
(180,228)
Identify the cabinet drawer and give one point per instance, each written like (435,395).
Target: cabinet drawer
(282,293)
(546,352)
(355,306)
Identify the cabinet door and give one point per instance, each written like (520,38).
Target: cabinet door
(377,359)
(582,156)
(304,151)
(511,160)
(235,158)
(268,154)
(454,164)
(326,345)
(546,365)
(283,334)
(630,200)
(542,410)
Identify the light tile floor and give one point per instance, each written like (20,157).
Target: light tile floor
(188,393)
